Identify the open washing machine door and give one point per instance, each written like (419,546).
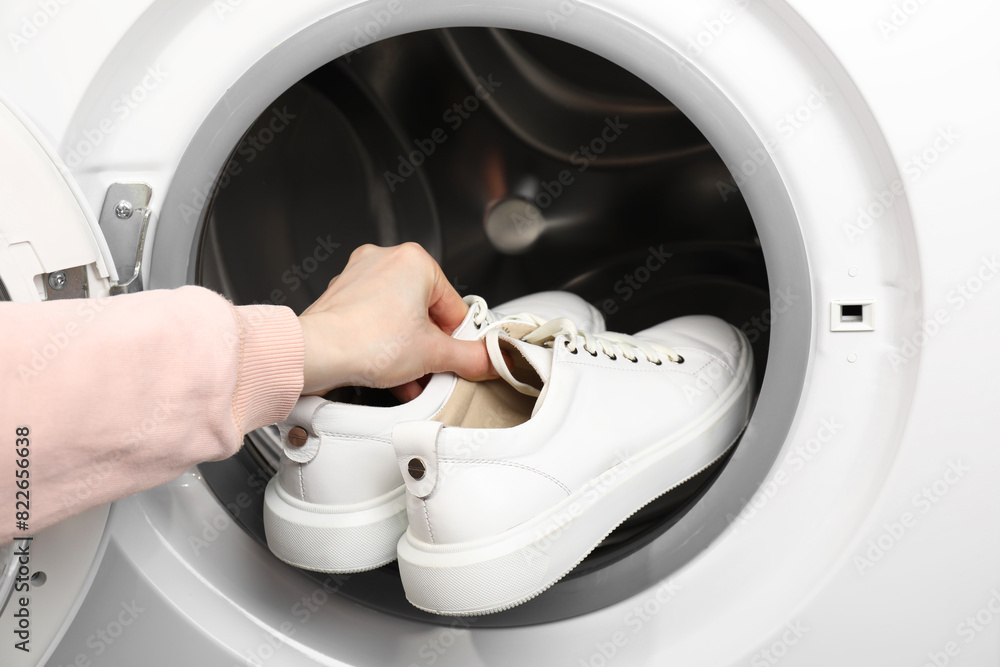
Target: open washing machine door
(48,250)
(754,150)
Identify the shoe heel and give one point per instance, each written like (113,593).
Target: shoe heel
(330,538)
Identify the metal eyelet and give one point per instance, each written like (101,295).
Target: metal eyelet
(573,351)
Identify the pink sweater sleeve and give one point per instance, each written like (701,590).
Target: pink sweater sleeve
(122,394)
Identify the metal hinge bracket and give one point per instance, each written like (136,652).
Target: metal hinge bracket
(124,221)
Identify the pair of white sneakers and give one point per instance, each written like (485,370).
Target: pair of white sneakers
(490,492)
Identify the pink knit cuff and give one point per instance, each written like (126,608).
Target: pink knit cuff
(272,355)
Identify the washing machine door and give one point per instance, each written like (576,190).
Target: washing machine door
(50,243)
(50,248)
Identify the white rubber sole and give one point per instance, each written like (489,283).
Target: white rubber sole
(333,538)
(495,574)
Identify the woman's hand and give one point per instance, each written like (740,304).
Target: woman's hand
(385,322)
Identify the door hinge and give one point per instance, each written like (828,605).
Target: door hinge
(124,221)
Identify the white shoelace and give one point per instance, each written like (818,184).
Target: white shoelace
(548,333)
(607,343)
(484,315)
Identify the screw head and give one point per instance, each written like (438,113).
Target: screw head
(57,280)
(297,436)
(416,468)
(123,209)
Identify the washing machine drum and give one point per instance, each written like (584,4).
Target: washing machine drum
(555,169)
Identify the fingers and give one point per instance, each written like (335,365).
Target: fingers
(446,307)
(468,359)
(382,295)
(407,392)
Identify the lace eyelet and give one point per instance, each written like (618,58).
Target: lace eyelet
(680,360)
(634,360)
(658,362)
(566,345)
(593,354)
(613,357)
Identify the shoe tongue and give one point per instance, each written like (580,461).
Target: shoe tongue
(538,358)
(530,365)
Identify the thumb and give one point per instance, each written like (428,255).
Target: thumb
(468,359)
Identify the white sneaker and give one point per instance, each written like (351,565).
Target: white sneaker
(337,501)
(497,515)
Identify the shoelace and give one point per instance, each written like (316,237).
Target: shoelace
(607,343)
(547,333)
(483,315)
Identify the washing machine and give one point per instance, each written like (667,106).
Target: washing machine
(821,175)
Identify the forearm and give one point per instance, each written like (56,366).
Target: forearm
(124,394)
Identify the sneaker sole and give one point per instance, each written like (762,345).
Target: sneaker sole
(495,574)
(333,538)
